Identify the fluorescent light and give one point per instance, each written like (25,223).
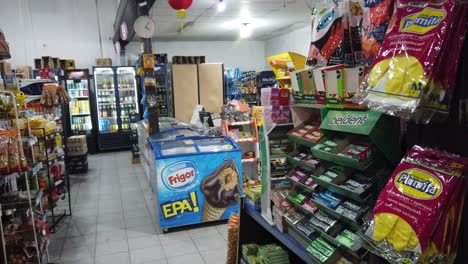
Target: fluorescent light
(221,6)
(245,31)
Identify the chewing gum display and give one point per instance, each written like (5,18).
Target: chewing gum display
(413,202)
(298,174)
(307,229)
(319,82)
(325,218)
(309,206)
(319,224)
(308,132)
(326,47)
(353,78)
(316,253)
(402,70)
(349,240)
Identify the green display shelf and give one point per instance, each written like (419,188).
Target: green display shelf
(301,164)
(347,162)
(303,103)
(301,141)
(365,198)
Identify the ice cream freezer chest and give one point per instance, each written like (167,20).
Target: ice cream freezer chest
(198,180)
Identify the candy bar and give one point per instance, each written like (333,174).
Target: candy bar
(347,213)
(308,230)
(322,248)
(316,253)
(322,201)
(354,207)
(325,178)
(333,199)
(319,224)
(325,244)
(325,218)
(309,206)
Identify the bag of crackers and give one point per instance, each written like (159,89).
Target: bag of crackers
(417,216)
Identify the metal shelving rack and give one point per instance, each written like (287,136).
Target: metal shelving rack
(25,205)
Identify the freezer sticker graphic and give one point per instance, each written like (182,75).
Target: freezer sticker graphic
(221,189)
(180,175)
(185,205)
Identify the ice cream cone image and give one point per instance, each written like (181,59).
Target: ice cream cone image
(221,189)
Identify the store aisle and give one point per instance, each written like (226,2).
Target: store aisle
(114,222)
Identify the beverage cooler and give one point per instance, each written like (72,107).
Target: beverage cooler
(80,109)
(116,101)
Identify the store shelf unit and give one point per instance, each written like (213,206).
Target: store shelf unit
(58,184)
(164,89)
(20,206)
(81,108)
(268,132)
(249,146)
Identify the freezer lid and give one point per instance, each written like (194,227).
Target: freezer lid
(193,146)
(173,133)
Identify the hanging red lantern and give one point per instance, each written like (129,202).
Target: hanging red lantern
(180,6)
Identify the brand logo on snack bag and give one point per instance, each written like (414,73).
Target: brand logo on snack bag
(325,20)
(423,21)
(179,175)
(418,184)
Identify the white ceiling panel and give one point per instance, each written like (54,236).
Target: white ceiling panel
(266,19)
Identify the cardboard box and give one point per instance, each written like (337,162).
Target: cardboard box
(24,72)
(5,68)
(77,150)
(103,62)
(76,141)
(70,64)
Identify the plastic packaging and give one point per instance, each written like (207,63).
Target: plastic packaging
(326,47)
(413,206)
(400,73)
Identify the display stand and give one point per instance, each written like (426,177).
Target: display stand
(266,133)
(249,164)
(285,63)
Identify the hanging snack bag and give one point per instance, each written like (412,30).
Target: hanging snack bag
(334,86)
(376,16)
(404,66)
(354,10)
(327,36)
(22,158)
(413,202)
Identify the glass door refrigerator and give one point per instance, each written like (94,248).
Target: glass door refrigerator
(80,108)
(163,88)
(127,97)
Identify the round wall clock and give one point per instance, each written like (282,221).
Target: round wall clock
(145,27)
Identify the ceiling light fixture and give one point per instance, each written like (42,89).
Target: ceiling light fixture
(221,6)
(245,30)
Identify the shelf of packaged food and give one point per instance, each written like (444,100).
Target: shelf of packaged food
(343,161)
(364,198)
(297,205)
(80,97)
(80,114)
(50,136)
(301,141)
(355,225)
(111,103)
(23,203)
(245,139)
(106,89)
(127,89)
(55,160)
(299,163)
(240,123)
(315,106)
(324,235)
(286,240)
(304,187)
(251,160)
(104,117)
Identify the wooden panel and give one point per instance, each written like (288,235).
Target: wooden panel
(185,85)
(211,86)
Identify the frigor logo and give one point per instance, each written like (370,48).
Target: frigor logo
(179,175)
(349,120)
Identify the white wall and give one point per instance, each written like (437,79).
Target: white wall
(248,55)
(296,41)
(67,29)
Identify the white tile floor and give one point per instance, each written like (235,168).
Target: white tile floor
(114,221)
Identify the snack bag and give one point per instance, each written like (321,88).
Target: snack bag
(327,36)
(4,162)
(334,86)
(354,10)
(401,71)
(413,202)
(13,151)
(375,18)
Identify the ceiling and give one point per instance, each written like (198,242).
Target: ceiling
(266,19)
